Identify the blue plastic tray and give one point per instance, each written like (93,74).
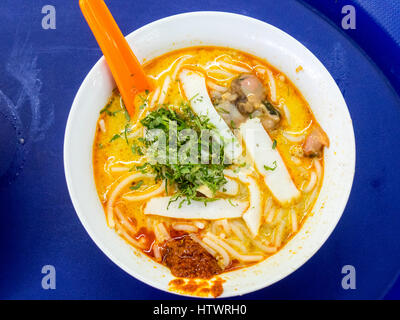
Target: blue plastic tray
(40,72)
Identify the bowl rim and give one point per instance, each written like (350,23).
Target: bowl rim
(101,244)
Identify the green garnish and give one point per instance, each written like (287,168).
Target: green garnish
(274,145)
(115,137)
(136,186)
(108,105)
(186,176)
(271,168)
(126,133)
(271,109)
(136,149)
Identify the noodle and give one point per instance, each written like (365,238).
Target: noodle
(145,196)
(124,222)
(154,97)
(279,235)
(226,260)
(318,168)
(164,90)
(184,227)
(292,138)
(124,183)
(236,230)
(233,67)
(311,184)
(178,66)
(271,215)
(208,249)
(232,251)
(287,114)
(293,218)
(272,85)
(264,248)
(121,231)
(156,251)
(221,72)
(119,169)
(216,87)
(236,243)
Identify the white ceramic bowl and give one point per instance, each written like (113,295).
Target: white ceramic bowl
(264,41)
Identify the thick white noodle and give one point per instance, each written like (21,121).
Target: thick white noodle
(292,138)
(161,232)
(272,85)
(178,66)
(236,230)
(236,243)
(124,222)
(164,90)
(131,197)
(114,194)
(263,247)
(215,86)
(231,251)
(233,67)
(287,114)
(221,72)
(226,260)
(184,227)
(206,247)
(123,233)
(312,183)
(271,215)
(318,168)
(154,97)
(156,251)
(293,218)
(279,234)
(119,169)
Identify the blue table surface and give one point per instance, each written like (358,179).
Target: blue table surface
(40,73)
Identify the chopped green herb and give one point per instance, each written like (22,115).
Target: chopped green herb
(108,105)
(100,146)
(136,186)
(193,97)
(136,150)
(222,110)
(231,203)
(271,168)
(274,145)
(187,177)
(115,137)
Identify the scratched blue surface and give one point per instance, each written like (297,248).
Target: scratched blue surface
(40,72)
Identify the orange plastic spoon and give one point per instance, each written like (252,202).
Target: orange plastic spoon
(125,67)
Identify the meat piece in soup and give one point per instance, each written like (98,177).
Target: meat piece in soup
(214,213)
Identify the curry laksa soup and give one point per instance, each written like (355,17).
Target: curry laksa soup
(218,168)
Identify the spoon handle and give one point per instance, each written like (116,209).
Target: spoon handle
(125,67)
